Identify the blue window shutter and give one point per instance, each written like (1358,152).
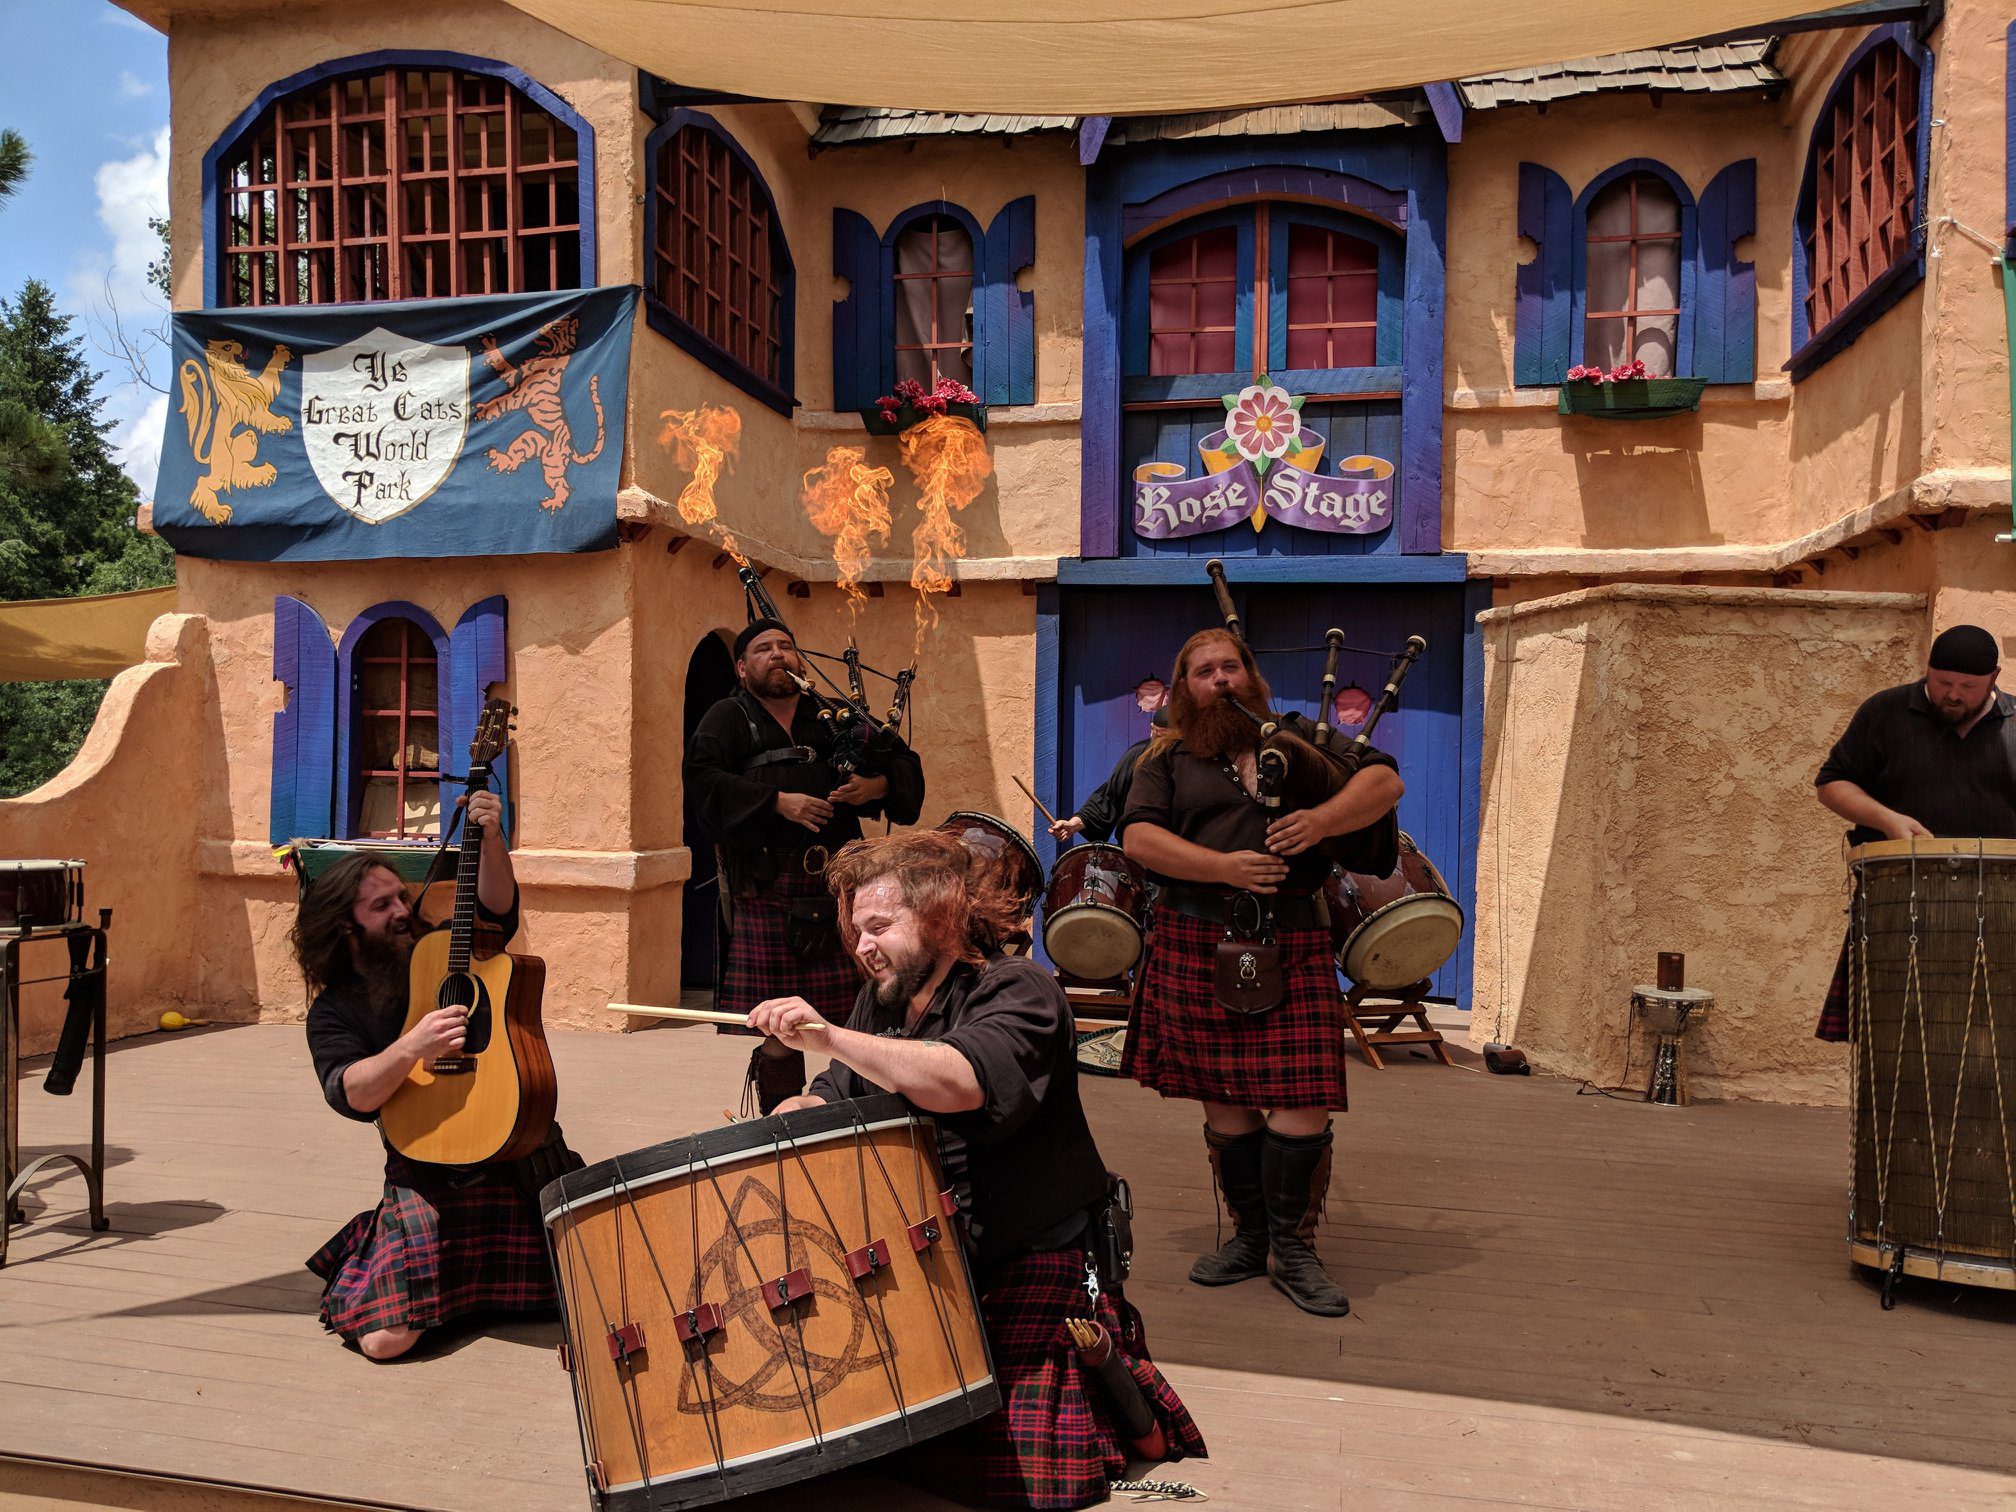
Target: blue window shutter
(1004,317)
(1725,300)
(304,731)
(1542,339)
(475,666)
(857,319)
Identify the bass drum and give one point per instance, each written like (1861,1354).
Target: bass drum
(1391,932)
(1000,846)
(1095,913)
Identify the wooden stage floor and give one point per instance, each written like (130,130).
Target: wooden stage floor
(1559,1301)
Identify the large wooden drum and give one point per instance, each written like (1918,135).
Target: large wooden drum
(762,1303)
(1932,1015)
(1095,913)
(44,894)
(1391,932)
(1001,848)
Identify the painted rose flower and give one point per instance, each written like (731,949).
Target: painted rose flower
(1263,424)
(1150,694)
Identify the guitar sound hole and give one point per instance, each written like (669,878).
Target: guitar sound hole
(461,990)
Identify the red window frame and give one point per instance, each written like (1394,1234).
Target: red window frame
(1865,182)
(413,651)
(399,183)
(1634,237)
(1168,272)
(714,263)
(938,227)
(1350,262)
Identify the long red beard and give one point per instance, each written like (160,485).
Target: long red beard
(1217,729)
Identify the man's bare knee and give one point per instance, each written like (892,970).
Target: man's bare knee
(388,1343)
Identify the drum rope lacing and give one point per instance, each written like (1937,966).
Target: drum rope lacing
(798,1313)
(576,1344)
(1994,1048)
(710,1414)
(889,1366)
(626,1200)
(924,1200)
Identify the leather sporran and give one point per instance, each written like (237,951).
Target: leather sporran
(1246,976)
(811,926)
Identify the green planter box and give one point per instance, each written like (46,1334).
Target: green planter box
(907,417)
(314,857)
(1633,399)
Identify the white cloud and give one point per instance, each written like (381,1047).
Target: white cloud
(130,190)
(138,415)
(132,87)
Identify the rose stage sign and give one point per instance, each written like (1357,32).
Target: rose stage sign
(1263,426)
(486,426)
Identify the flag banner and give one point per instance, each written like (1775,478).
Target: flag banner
(484,426)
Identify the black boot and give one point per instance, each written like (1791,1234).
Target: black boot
(773,1078)
(1235,1162)
(1295,1175)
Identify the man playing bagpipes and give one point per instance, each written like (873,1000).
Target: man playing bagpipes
(982,1041)
(1241,1008)
(782,788)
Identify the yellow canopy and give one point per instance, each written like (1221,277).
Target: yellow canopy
(1120,57)
(51,640)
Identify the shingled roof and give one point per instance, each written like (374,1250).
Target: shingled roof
(1717,69)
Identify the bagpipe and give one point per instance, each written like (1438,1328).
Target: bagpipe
(1298,773)
(856,740)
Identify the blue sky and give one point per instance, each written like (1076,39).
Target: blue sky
(87,85)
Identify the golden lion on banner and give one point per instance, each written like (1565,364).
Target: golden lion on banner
(225,406)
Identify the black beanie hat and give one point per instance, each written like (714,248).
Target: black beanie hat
(755,628)
(1966,649)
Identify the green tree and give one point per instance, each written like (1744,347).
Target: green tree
(14,160)
(67,517)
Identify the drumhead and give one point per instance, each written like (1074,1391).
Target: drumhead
(1405,942)
(1924,849)
(1093,942)
(40,866)
(993,837)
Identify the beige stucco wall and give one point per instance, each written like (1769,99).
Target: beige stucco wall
(1648,761)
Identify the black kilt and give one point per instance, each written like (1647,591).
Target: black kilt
(1182,1044)
(1051,1444)
(759,963)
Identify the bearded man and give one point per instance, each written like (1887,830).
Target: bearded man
(1225,870)
(1932,757)
(443,1241)
(982,1042)
(761,767)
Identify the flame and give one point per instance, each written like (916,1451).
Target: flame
(848,501)
(947,456)
(707,438)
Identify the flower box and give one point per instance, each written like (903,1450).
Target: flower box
(1632,398)
(908,415)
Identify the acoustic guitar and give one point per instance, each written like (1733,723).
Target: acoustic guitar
(493,1099)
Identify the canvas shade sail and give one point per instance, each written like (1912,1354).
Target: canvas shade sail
(1124,57)
(54,640)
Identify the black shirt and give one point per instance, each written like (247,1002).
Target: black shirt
(740,806)
(343,1028)
(1101,812)
(1031,1166)
(1899,751)
(1201,799)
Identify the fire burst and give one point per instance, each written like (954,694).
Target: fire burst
(948,457)
(848,502)
(707,438)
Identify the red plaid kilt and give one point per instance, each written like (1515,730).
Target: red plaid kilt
(759,963)
(1051,1444)
(432,1251)
(1834,1018)
(1182,1044)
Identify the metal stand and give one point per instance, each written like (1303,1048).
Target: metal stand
(1668,1013)
(14,1177)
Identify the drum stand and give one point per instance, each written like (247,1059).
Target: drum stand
(11,984)
(1409,1006)
(1668,1012)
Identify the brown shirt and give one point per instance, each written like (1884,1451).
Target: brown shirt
(1202,800)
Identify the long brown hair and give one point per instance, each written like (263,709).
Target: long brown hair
(1183,705)
(962,910)
(324,924)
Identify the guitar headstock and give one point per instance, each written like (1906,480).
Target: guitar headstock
(493,729)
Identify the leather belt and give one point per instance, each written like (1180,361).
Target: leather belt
(1213,905)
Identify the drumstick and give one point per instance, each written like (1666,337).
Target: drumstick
(705,1016)
(1050,817)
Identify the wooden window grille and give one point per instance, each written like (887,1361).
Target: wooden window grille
(1193,304)
(715,264)
(1631,283)
(400,183)
(934,301)
(397,738)
(1333,299)
(1865,183)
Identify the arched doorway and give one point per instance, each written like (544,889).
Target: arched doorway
(710,677)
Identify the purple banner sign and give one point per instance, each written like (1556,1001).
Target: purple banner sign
(1169,506)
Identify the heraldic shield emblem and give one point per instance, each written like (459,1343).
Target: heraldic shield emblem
(383,420)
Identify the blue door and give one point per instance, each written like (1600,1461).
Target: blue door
(1112,639)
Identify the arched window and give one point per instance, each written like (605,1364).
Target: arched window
(934,301)
(398,182)
(720,269)
(1633,271)
(1863,182)
(395,741)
